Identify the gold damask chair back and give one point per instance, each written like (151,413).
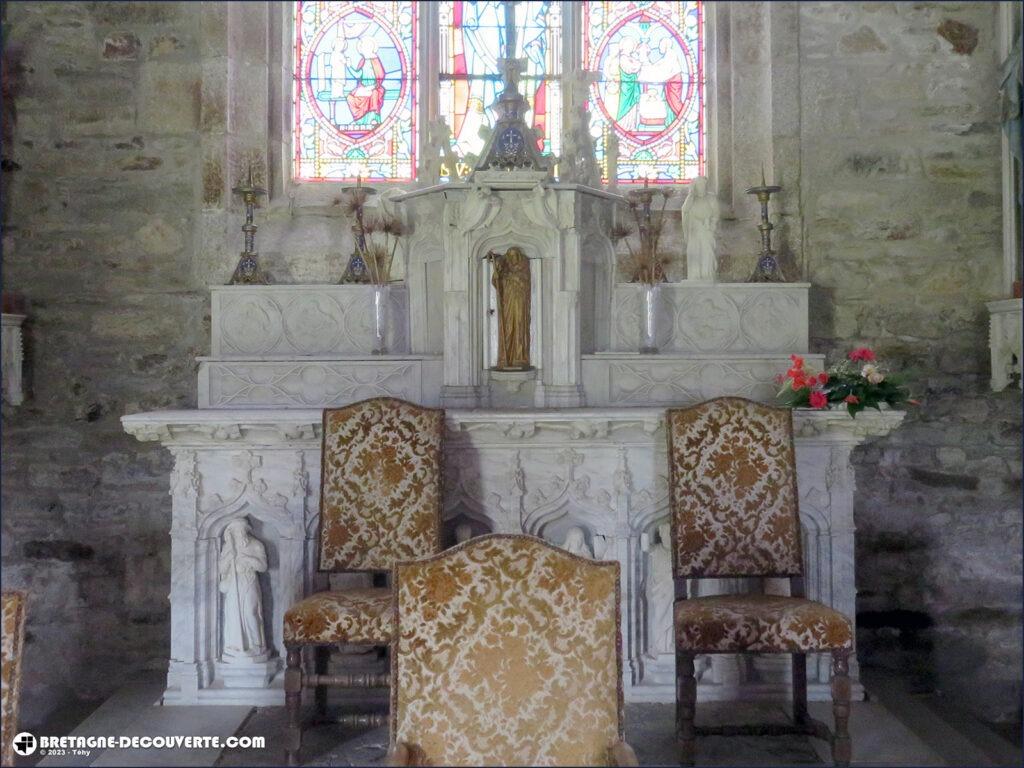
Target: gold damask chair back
(507,652)
(380,501)
(734,513)
(733,490)
(11,650)
(380,498)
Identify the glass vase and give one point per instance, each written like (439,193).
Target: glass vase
(650,309)
(381,302)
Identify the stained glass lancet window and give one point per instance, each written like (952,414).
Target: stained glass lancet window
(355,91)
(473,36)
(650,91)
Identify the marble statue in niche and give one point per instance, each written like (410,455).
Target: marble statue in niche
(511,281)
(576,542)
(242,558)
(660,594)
(463,532)
(700,215)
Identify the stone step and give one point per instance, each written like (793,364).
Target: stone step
(135,710)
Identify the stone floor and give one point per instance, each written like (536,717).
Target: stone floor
(891,728)
(879,739)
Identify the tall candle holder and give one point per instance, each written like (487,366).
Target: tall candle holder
(248,271)
(767,269)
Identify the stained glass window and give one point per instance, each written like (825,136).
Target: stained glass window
(650,90)
(473,36)
(355,91)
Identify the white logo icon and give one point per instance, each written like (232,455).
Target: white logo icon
(25,744)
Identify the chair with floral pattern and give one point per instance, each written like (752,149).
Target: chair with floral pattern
(380,501)
(733,501)
(507,652)
(11,642)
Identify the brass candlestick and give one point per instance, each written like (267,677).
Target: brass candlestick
(248,271)
(767,269)
(356,271)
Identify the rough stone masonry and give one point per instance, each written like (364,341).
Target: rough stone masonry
(108,231)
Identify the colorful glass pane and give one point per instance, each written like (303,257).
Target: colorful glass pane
(355,91)
(650,90)
(473,37)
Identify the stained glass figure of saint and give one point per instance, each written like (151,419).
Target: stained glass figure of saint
(355,91)
(650,91)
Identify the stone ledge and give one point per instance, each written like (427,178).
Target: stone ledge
(280,426)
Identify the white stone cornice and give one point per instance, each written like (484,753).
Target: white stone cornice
(287,426)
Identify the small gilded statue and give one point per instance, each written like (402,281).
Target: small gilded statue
(511,281)
(242,558)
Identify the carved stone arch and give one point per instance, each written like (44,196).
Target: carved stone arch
(643,516)
(287,557)
(465,511)
(213,522)
(816,541)
(537,250)
(573,502)
(597,277)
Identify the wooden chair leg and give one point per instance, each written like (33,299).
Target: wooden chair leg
(799,688)
(293,706)
(686,707)
(321,658)
(841,746)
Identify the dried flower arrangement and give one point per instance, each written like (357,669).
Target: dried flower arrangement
(643,262)
(376,235)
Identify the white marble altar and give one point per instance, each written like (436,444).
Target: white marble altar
(572,449)
(536,471)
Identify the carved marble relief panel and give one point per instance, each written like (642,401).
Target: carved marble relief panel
(301,321)
(317,383)
(720,318)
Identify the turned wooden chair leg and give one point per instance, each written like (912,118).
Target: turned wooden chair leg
(321,657)
(799,688)
(293,706)
(841,746)
(686,707)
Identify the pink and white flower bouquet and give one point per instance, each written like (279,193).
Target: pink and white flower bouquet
(858,382)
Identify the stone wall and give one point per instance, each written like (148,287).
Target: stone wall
(130,121)
(901,212)
(99,226)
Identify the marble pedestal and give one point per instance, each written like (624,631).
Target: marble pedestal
(534,471)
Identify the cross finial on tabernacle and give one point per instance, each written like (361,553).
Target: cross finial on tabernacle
(510,70)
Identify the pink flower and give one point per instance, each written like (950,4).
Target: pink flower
(818,400)
(862,354)
(851,399)
(823,378)
(779,378)
(798,362)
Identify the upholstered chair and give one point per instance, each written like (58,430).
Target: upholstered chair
(12,639)
(733,500)
(507,652)
(380,501)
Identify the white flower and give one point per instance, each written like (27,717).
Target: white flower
(872,374)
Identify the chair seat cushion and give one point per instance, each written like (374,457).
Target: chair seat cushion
(759,623)
(362,615)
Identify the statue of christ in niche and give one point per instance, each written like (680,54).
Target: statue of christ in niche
(511,281)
